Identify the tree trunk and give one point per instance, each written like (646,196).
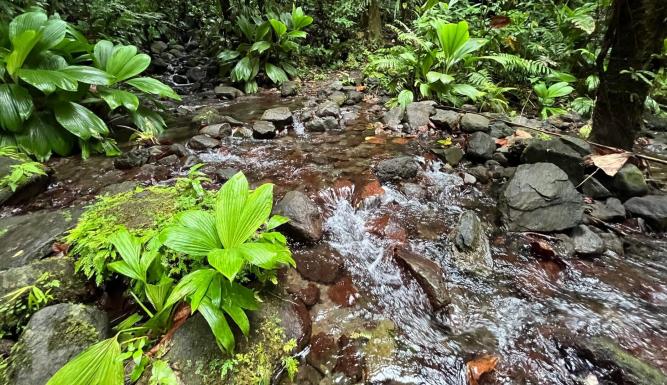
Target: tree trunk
(636,31)
(374,21)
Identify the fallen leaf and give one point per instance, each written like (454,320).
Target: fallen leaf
(361,88)
(480,366)
(445,142)
(521,134)
(400,141)
(504,142)
(499,21)
(611,163)
(60,248)
(376,140)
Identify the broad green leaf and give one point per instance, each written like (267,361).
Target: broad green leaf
(162,374)
(227,261)
(559,89)
(239,316)
(42,135)
(15,107)
(47,80)
(260,46)
(129,248)
(52,34)
(148,120)
(154,87)
(100,364)
(405,97)
(297,34)
(230,203)
(89,75)
(132,68)
(29,21)
(451,37)
(195,234)
(116,98)
(80,121)
(119,58)
(23,44)
(263,255)
(102,53)
(467,90)
(276,221)
(192,284)
(242,70)
(300,19)
(229,55)
(158,294)
(275,73)
(219,326)
(121,267)
(234,294)
(278,27)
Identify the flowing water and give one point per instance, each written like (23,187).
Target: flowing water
(535,314)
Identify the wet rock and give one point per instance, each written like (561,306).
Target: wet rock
(428,274)
(594,189)
(279,115)
(557,152)
(500,158)
(289,88)
(309,295)
(169,161)
(320,264)
(481,146)
(337,97)
(413,191)
(350,360)
(480,173)
(318,124)
(394,117)
(305,219)
(227,92)
(469,179)
(217,131)
(196,73)
(629,182)
(579,145)
(153,172)
(179,150)
(354,97)
(500,130)
(540,197)
(262,129)
(191,160)
(131,159)
(323,351)
(192,345)
(343,292)
(653,208)
(417,114)
(401,168)
(446,119)
(243,132)
(474,123)
(26,189)
(118,188)
(612,243)
(586,242)
(453,155)
(610,210)
(158,46)
(349,118)
(328,108)
(203,142)
(472,249)
(53,336)
(27,238)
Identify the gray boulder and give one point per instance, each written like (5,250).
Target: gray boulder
(579,145)
(481,146)
(446,119)
(557,152)
(653,208)
(131,159)
(278,115)
(217,131)
(452,155)
(475,123)
(328,108)
(289,88)
(354,97)
(338,98)
(203,142)
(586,242)
(318,124)
(196,73)
(594,189)
(500,130)
(629,182)
(227,92)
(53,336)
(472,251)
(394,117)
(401,168)
(610,210)
(428,274)
(540,197)
(262,129)
(305,218)
(417,114)
(158,46)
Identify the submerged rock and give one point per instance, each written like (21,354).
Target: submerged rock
(472,251)
(474,123)
(417,114)
(401,168)
(629,182)
(428,274)
(653,208)
(318,124)
(53,336)
(540,197)
(305,219)
(262,129)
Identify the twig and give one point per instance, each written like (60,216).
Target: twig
(588,177)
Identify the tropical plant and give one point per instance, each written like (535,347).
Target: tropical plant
(51,78)
(20,172)
(270,46)
(547,97)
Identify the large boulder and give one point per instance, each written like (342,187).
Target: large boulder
(401,168)
(428,274)
(318,124)
(26,189)
(394,117)
(328,108)
(262,129)
(289,88)
(474,123)
(480,146)
(653,208)
(27,238)
(279,115)
(555,151)
(417,114)
(446,119)
(217,131)
(131,159)
(53,336)
(629,182)
(540,197)
(305,220)
(472,251)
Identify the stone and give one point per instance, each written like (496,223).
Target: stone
(579,145)
(610,210)
(338,97)
(629,182)
(472,251)
(453,155)
(354,97)
(413,191)
(203,142)
(179,150)
(305,218)
(343,292)
(653,208)
(469,179)
(320,264)
(196,73)
(557,152)
(586,242)
(417,114)
(27,238)
(53,336)
(612,243)
(401,168)
(26,189)
(227,92)
(278,115)
(217,131)
(500,130)
(428,274)
(153,173)
(262,129)
(131,159)
(328,108)
(179,79)
(191,160)
(289,88)
(594,189)
(481,173)
(351,361)
(170,161)
(309,295)
(474,123)
(322,354)
(393,117)
(540,197)
(158,46)
(446,119)
(480,146)
(318,124)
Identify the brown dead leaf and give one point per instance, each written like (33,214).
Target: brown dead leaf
(500,21)
(502,142)
(400,141)
(376,140)
(361,88)
(521,134)
(59,249)
(611,163)
(480,366)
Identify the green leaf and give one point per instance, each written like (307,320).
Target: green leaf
(29,21)
(154,87)
(148,120)
(158,294)
(405,97)
(300,19)
(229,55)
(89,75)
(47,80)
(559,89)
(129,248)
(52,34)
(297,34)
(227,261)
(23,44)
(122,267)
(102,53)
(117,98)
(15,106)
(276,221)
(194,284)
(239,316)
(263,255)
(260,46)
(162,374)
(219,326)
(133,67)
(467,90)
(275,73)
(451,37)
(42,135)
(100,364)
(80,121)
(242,70)
(278,26)
(195,234)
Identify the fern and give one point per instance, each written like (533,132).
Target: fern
(513,63)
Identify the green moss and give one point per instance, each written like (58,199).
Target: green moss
(75,331)
(637,370)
